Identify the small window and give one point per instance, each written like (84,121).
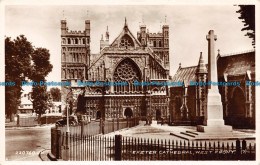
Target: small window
(63,57)
(76,41)
(160,44)
(84,41)
(154,43)
(69,41)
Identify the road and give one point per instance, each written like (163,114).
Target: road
(25,144)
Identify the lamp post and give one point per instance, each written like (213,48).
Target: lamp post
(68,127)
(168,114)
(67,109)
(150,113)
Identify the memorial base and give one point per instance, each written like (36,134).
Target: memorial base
(215,130)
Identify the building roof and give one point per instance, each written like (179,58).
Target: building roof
(188,74)
(185,74)
(236,64)
(236,53)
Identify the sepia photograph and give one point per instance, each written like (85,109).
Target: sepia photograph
(130,82)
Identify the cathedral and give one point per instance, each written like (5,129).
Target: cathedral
(128,59)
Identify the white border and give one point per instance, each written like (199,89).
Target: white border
(3,3)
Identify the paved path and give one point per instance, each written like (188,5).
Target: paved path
(25,144)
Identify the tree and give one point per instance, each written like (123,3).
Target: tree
(247,15)
(55,94)
(17,67)
(40,69)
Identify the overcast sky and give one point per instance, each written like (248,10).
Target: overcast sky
(189,26)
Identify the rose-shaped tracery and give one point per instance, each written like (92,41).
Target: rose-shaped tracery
(127,71)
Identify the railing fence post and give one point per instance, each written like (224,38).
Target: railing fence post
(58,144)
(82,129)
(238,149)
(244,152)
(118,147)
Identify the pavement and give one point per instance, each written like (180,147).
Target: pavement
(11,124)
(28,143)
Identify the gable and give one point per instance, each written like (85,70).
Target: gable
(125,39)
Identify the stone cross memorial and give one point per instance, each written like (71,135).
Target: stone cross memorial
(213,118)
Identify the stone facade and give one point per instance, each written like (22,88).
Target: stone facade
(238,101)
(126,59)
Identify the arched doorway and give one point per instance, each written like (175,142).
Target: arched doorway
(178,104)
(237,108)
(158,114)
(128,113)
(98,115)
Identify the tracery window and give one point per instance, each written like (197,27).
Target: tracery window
(126,42)
(128,72)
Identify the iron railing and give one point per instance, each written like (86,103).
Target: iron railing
(78,147)
(95,127)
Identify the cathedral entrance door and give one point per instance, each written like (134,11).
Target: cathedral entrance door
(128,112)
(237,111)
(98,115)
(158,114)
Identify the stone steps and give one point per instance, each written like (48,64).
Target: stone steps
(188,134)
(193,135)
(182,136)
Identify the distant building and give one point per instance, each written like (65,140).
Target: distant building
(56,108)
(188,106)
(26,106)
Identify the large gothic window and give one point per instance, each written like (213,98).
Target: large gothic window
(127,71)
(126,42)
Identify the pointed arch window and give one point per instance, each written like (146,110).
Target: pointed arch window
(127,71)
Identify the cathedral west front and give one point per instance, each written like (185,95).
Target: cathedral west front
(127,58)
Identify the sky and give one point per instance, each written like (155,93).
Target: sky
(188,25)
